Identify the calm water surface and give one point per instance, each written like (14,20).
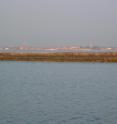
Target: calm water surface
(58,93)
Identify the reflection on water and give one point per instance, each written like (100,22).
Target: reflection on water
(58,93)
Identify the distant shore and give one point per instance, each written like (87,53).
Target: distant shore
(60,57)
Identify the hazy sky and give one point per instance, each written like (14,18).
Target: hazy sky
(58,22)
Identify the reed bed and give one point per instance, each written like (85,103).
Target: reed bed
(60,57)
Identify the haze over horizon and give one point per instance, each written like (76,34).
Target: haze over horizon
(58,22)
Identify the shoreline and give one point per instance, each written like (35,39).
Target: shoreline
(60,57)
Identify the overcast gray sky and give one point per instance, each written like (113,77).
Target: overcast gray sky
(58,22)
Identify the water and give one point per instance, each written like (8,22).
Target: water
(58,93)
(58,51)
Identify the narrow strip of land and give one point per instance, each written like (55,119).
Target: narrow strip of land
(60,57)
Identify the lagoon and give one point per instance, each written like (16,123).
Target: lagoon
(58,93)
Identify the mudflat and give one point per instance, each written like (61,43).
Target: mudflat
(60,57)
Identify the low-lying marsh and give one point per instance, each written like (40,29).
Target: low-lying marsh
(61,57)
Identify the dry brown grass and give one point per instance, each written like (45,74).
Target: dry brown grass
(60,57)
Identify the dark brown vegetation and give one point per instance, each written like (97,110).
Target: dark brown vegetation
(60,57)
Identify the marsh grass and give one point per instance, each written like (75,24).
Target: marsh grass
(61,57)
